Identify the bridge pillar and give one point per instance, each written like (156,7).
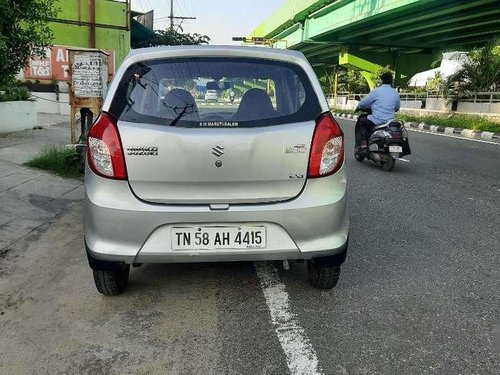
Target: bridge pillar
(407,65)
(365,67)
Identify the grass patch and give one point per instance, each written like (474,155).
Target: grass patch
(64,162)
(455,121)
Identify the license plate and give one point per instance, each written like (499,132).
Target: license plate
(395,149)
(211,238)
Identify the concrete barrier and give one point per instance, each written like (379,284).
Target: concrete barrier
(16,116)
(487,136)
(50,102)
(469,133)
(414,104)
(471,107)
(437,104)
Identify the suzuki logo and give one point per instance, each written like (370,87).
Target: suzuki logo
(218,150)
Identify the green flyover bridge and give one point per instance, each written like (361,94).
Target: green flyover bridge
(367,34)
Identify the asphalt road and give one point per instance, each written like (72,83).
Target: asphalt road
(419,293)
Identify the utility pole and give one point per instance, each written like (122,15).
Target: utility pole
(172,17)
(92,23)
(171,14)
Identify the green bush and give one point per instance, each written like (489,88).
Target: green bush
(14,93)
(64,162)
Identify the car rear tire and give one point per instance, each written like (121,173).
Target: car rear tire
(388,165)
(323,275)
(111,282)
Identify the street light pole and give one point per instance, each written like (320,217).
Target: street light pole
(335,89)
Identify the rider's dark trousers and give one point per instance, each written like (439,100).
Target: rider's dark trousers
(363,130)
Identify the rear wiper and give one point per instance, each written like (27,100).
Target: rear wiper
(183,112)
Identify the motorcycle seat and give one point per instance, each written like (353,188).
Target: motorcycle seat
(388,124)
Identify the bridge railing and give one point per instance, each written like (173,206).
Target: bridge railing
(479,102)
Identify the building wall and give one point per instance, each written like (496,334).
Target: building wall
(107,12)
(71,29)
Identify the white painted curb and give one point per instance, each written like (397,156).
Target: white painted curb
(468,133)
(449,130)
(434,128)
(487,136)
(421,126)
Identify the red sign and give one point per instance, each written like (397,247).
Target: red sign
(55,65)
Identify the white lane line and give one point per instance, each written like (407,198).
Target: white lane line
(440,134)
(300,355)
(405,160)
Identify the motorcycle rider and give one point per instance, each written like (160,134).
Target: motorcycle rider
(384,103)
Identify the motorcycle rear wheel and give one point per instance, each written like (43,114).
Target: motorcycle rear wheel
(388,165)
(359,157)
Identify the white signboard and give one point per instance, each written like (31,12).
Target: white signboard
(88,75)
(40,67)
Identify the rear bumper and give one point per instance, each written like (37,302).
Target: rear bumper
(119,227)
(335,256)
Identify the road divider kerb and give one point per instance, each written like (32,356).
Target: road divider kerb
(422,126)
(488,136)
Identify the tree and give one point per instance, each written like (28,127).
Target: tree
(436,83)
(171,37)
(24,32)
(480,72)
(327,81)
(347,80)
(356,83)
(380,71)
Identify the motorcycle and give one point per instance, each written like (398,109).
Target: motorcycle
(388,143)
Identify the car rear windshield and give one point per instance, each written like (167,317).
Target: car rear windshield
(242,92)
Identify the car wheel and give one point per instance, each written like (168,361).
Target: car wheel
(323,275)
(111,282)
(388,165)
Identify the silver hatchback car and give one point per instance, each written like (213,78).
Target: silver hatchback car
(170,178)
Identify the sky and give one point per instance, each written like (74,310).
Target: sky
(219,19)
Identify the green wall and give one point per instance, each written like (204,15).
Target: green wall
(107,12)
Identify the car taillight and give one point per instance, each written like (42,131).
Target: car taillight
(327,151)
(104,149)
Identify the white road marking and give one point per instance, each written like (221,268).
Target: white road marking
(442,134)
(300,355)
(406,160)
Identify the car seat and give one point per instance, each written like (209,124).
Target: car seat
(255,105)
(174,102)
